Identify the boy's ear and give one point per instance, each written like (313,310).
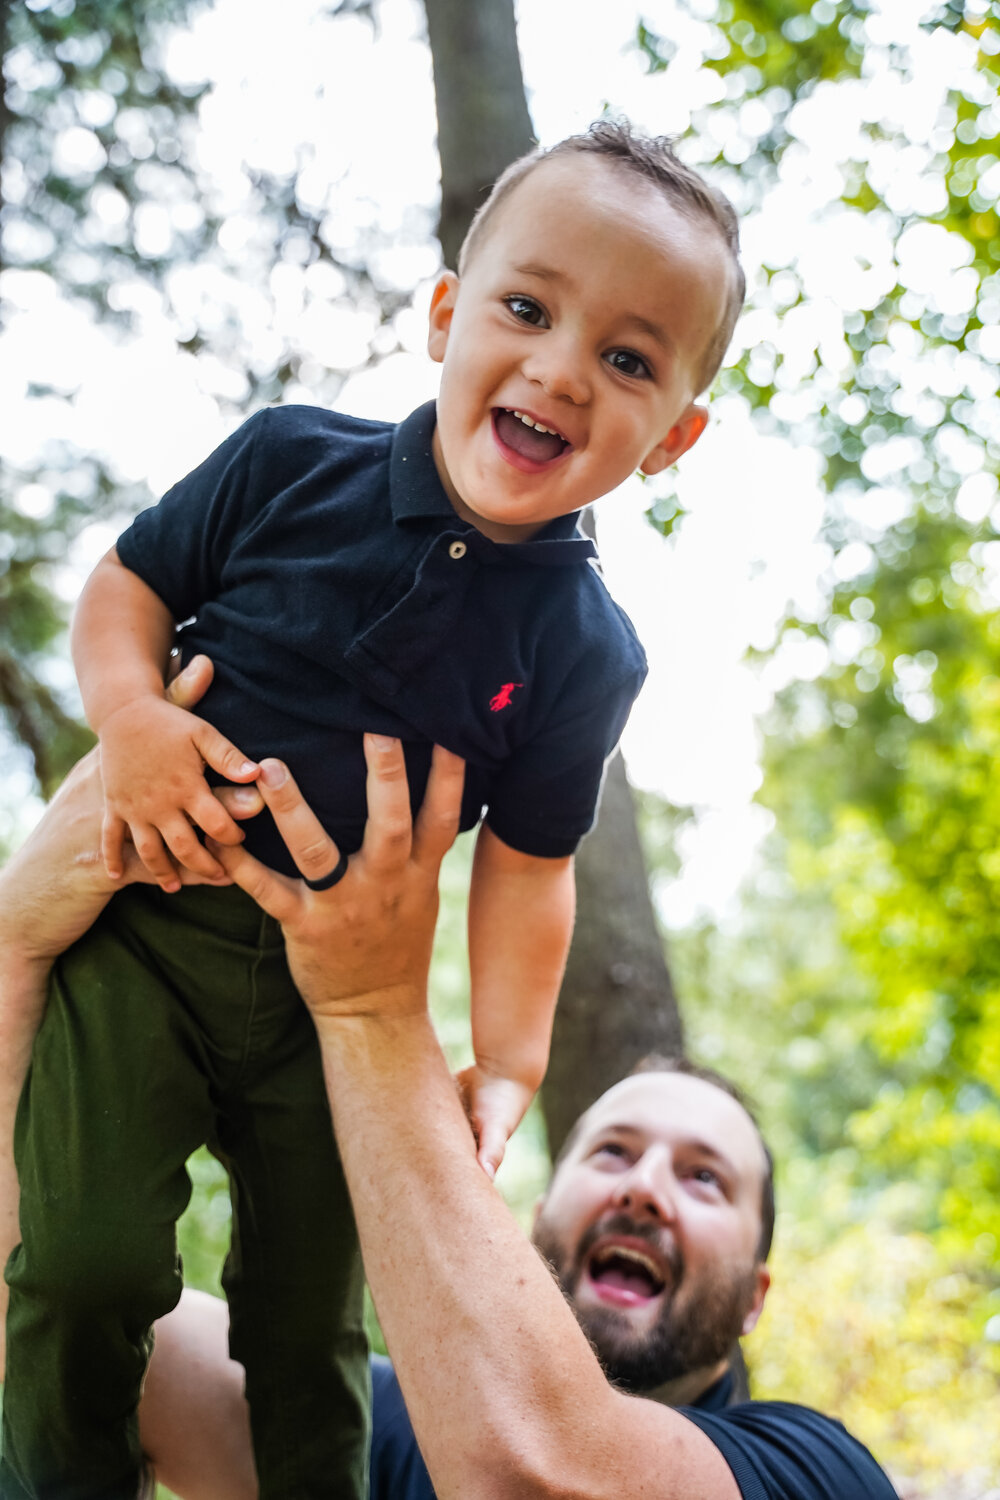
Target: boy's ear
(439,320)
(683,435)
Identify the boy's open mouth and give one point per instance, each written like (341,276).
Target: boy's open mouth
(523,435)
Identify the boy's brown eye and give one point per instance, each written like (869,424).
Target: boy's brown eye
(527,309)
(628,363)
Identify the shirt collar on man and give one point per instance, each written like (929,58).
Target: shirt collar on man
(415,492)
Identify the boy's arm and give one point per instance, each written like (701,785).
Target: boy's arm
(521,910)
(153,754)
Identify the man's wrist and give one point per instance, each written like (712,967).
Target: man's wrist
(374,1013)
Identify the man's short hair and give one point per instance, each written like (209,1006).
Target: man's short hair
(655,1062)
(655,159)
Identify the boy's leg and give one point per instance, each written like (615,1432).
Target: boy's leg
(294,1276)
(115,1101)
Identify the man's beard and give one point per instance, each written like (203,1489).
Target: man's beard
(691,1336)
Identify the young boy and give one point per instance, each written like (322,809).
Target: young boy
(425,581)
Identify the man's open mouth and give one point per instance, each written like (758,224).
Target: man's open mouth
(526,437)
(625,1273)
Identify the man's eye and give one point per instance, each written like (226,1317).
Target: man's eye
(705,1176)
(610,1148)
(627,363)
(527,310)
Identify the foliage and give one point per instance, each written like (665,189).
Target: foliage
(858,992)
(903,1362)
(107,206)
(879,764)
(94,135)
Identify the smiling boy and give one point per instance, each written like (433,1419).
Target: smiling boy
(425,581)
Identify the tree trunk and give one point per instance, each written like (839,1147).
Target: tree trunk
(483,119)
(617,1002)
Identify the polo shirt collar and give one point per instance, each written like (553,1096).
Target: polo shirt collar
(416,492)
(718,1396)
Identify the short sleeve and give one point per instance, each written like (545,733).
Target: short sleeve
(780,1451)
(545,797)
(179,547)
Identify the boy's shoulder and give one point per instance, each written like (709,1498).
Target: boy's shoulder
(294,420)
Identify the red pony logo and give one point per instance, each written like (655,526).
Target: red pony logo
(502,699)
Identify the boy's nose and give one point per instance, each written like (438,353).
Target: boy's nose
(559,372)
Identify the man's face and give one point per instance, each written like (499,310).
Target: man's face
(652,1223)
(586,309)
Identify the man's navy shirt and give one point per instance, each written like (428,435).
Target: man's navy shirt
(776,1450)
(320,564)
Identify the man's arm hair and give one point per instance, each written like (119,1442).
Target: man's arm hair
(505,1394)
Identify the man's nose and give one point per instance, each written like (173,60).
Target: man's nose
(558,366)
(647,1189)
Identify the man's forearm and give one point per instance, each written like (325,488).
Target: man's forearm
(505,1394)
(22,1000)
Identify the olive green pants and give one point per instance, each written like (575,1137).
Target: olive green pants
(172,1023)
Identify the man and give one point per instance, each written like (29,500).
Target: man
(655,1220)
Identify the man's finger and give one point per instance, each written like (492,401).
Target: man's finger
(239,801)
(191,685)
(113,845)
(311,847)
(280,897)
(222,755)
(441,809)
(389,830)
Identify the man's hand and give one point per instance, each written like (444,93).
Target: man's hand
(364,946)
(153,758)
(495,1106)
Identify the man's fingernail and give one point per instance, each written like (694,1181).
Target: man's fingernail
(245,796)
(272,773)
(247,767)
(382,741)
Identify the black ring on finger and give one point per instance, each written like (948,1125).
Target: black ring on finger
(326,881)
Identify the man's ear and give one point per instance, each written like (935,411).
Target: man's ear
(683,435)
(439,319)
(757,1306)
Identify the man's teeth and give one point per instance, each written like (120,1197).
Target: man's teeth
(528,422)
(621,1252)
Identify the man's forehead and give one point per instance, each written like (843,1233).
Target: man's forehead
(677,1108)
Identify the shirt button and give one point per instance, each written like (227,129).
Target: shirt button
(457,550)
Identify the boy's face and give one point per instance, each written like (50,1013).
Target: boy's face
(586,308)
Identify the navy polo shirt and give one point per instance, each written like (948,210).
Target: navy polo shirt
(318,561)
(776,1450)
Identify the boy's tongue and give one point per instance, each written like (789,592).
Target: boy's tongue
(527,441)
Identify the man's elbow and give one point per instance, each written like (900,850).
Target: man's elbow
(534,1470)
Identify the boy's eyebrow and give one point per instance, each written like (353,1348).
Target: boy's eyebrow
(655,332)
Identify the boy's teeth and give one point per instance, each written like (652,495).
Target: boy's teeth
(528,422)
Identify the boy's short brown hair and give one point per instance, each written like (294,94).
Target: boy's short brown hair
(653,158)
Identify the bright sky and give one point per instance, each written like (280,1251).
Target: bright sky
(315,91)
